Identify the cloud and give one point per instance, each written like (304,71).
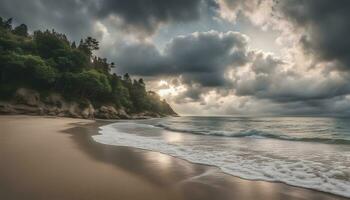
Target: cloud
(221,64)
(147,15)
(143,59)
(78,16)
(259,11)
(267,77)
(201,58)
(266,84)
(325,27)
(71,17)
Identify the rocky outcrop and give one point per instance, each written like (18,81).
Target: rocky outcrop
(146,115)
(107,112)
(27,97)
(30,102)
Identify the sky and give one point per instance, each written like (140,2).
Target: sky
(216,57)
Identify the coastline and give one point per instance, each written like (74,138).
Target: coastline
(56,158)
(31,102)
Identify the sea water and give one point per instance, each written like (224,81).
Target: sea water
(301,151)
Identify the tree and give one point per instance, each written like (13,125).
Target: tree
(42,74)
(141,82)
(89,45)
(112,65)
(70,60)
(73,46)
(87,84)
(7,24)
(26,70)
(127,78)
(50,44)
(101,64)
(138,96)
(92,43)
(21,30)
(120,93)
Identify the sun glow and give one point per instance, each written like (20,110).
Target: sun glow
(162,83)
(167,89)
(167,92)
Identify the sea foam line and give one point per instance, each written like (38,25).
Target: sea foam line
(257,133)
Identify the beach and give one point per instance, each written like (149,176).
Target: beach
(57,158)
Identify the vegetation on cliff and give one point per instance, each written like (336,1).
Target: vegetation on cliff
(46,61)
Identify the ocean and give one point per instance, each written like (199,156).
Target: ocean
(307,152)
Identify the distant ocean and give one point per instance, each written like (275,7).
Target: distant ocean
(307,152)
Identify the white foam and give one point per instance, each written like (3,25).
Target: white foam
(242,162)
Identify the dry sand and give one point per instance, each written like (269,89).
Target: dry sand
(44,158)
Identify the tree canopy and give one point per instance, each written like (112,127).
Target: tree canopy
(48,62)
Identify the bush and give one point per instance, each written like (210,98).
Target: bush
(87,84)
(49,43)
(26,70)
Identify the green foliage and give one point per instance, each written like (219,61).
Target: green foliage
(47,61)
(70,60)
(94,83)
(21,30)
(26,70)
(120,93)
(89,84)
(89,45)
(6,24)
(50,44)
(12,42)
(138,96)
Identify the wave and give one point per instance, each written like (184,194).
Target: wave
(256,134)
(297,168)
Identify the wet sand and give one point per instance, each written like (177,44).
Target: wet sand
(44,158)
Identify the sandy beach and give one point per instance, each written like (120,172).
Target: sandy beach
(56,159)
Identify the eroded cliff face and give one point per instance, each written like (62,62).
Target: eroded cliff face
(30,102)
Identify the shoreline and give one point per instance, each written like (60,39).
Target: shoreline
(155,175)
(219,168)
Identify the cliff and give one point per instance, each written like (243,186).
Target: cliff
(30,102)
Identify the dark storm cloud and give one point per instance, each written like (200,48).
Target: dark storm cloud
(207,51)
(148,14)
(141,59)
(75,17)
(199,57)
(326,27)
(66,16)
